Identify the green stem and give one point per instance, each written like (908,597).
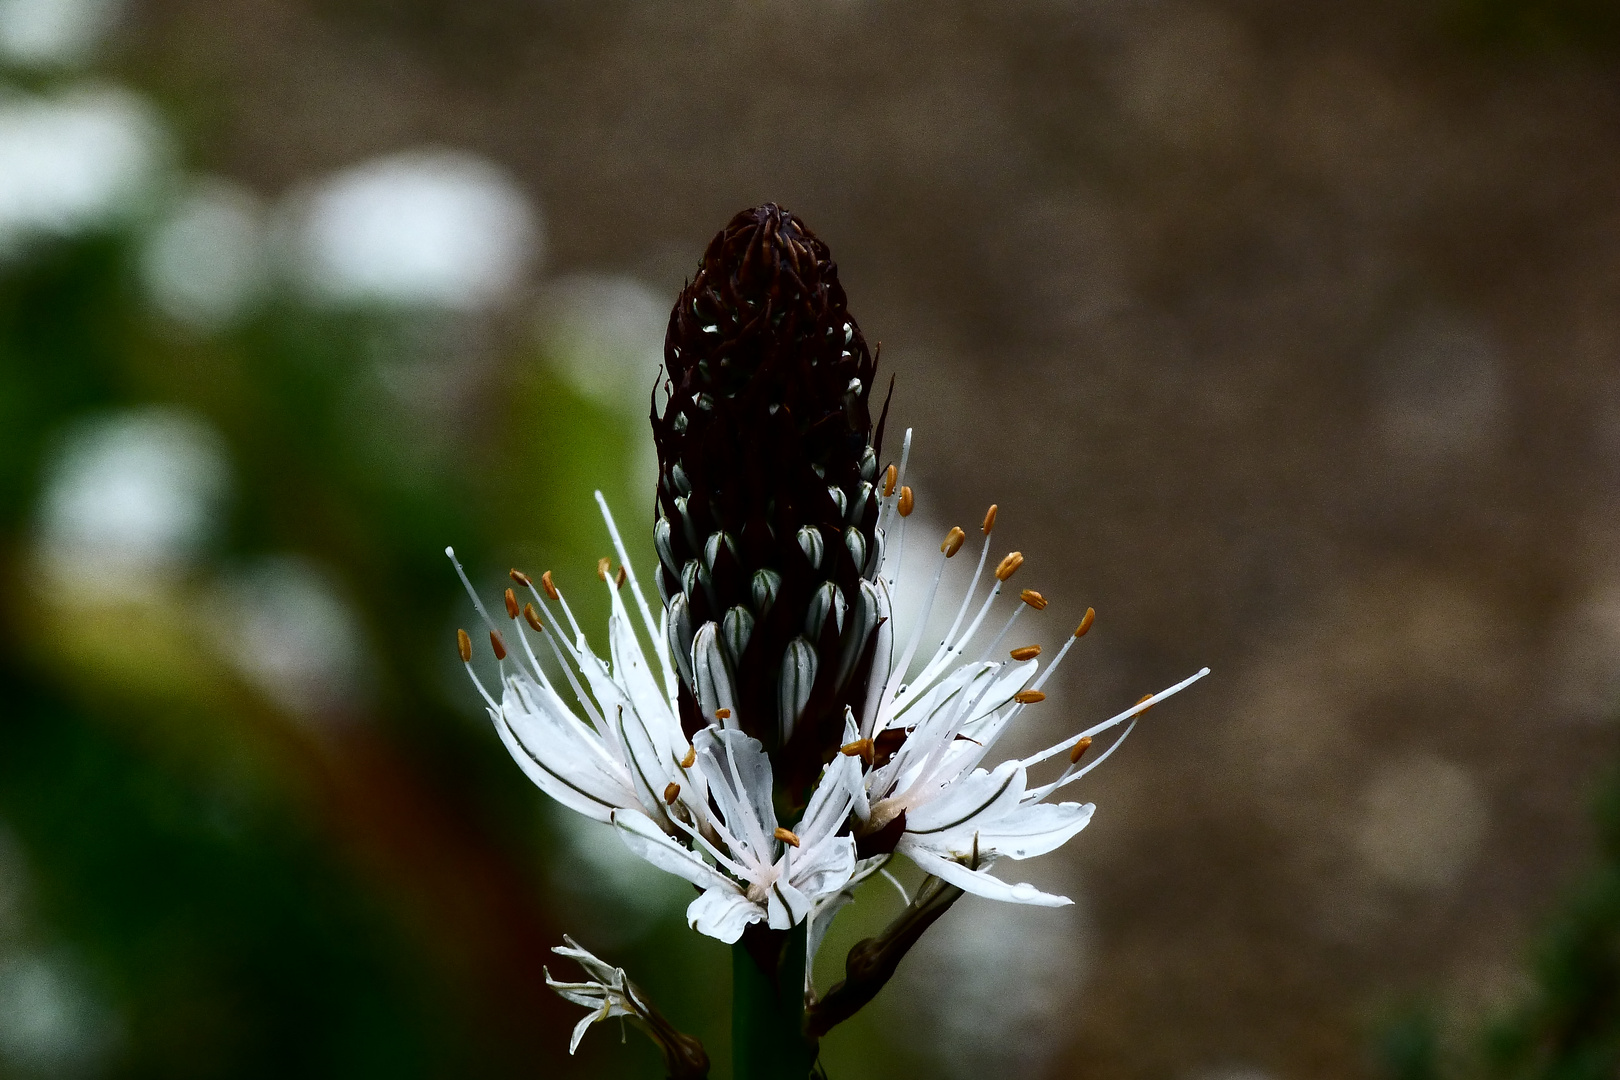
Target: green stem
(767,1006)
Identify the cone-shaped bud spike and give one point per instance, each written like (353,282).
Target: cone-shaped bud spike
(766,523)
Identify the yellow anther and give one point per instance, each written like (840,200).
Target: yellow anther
(1028,652)
(464,646)
(1033,599)
(907,502)
(511,605)
(787,837)
(889,477)
(1085,623)
(498,645)
(1079,750)
(602,566)
(953,541)
(550,586)
(522,579)
(1028,697)
(1009,566)
(672,791)
(989,519)
(722,714)
(690,759)
(861,748)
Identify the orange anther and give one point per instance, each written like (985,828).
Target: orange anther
(1009,566)
(953,541)
(989,519)
(550,586)
(511,605)
(1028,652)
(1028,697)
(464,646)
(907,502)
(618,579)
(1033,599)
(861,748)
(690,759)
(522,579)
(672,791)
(498,645)
(1085,623)
(602,566)
(1079,750)
(890,475)
(1144,697)
(532,617)
(786,836)
(722,714)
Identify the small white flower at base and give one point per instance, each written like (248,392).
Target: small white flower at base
(607,993)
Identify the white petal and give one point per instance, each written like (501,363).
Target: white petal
(648,841)
(564,757)
(978,882)
(738,773)
(979,796)
(824,868)
(787,906)
(1027,831)
(723,913)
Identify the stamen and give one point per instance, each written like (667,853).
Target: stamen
(1028,652)
(672,791)
(1028,697)
(890,475)
(908,502)
(1079,749)
(464,646)
(618,579)
(550,586)
(786,836)
(691,757)
(521,578)
(497,644)
(953,541)
(511,605)
(1033,599)
(1085,623)
(989,519)
(532,617)
(1009,566)
(722,714)
(602,566)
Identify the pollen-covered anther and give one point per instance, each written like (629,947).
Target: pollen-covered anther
(953,541)
(672,791)
(1009,566)
(908,502)
(521,578)
(890,475)
(690,759)
(498,645)
(1033,599)
(1028,652)
(602,566)
(511,605)
(787,836)
(1085,623)
(722,714)
(989,519)
(464,646)
(532,617)
(1028,697)
(618,579)
(550,586)
(1079,750)
(861,748)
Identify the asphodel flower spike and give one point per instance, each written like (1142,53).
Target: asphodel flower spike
(784,742)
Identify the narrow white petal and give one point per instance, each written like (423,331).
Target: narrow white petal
(648,841)
(723,913)
(978,882)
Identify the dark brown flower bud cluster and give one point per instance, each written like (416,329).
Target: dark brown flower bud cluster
(768,494)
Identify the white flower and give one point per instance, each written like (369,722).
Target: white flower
(960,818)
(607,993)
(703,810)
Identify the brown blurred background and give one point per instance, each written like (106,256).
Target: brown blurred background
(1284,334)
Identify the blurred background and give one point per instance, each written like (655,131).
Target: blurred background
(1284,334)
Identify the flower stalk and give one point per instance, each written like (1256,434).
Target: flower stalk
(768,1038)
